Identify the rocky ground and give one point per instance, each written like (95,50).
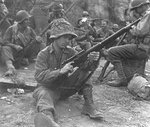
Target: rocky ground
(118,107)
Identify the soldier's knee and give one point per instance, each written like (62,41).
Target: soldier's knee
(40,92)
(6,53)
(112,53)
(111,50)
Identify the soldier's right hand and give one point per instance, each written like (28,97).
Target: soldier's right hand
(67,68)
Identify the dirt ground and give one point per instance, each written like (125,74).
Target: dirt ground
(118,107)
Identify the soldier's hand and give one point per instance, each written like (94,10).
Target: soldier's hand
(67,68)
(93,56)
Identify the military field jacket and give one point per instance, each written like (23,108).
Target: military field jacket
(15,37)
(142,31)
(48,66)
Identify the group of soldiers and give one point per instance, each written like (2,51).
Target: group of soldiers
(20,45)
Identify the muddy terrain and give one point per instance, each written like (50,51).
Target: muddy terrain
(118,107)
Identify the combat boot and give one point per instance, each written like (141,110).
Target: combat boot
(11,69)
(89,107)
(43,119)
(122,80)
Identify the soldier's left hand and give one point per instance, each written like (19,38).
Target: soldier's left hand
(39,39)
(93,56)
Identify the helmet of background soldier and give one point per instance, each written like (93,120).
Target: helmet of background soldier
(57,7)
(138,3)
(85,14)
(61,27)
(22,15)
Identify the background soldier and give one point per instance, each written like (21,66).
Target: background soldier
(105,30)
(85,38)
(56,81)
(57,12)
(138,51)
(4,23)
(84,19)
(20,41)
(3,8)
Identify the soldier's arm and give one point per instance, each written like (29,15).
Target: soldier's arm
(8,38)
(143,27)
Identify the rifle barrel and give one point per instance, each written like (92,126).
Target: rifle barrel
(81,56)
(112,37)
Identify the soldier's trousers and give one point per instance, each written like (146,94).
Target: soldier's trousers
(47,98)
(128,51)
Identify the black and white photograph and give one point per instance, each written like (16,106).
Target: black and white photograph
(74,63)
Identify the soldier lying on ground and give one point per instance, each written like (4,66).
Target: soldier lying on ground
(138,51)
(56,81)
(20,41)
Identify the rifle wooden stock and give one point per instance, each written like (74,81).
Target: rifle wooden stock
(81,57)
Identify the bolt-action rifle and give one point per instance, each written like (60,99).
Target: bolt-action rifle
(82,56)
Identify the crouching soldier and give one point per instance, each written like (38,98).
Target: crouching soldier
(20,41)
(138,51)
(56,81)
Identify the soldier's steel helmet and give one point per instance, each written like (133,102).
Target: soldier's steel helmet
(61,27)
(22,15)
(57,7)
(138,3)
(85,13)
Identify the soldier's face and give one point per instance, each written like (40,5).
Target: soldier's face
(63,41)
(25,23)
(104,24)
